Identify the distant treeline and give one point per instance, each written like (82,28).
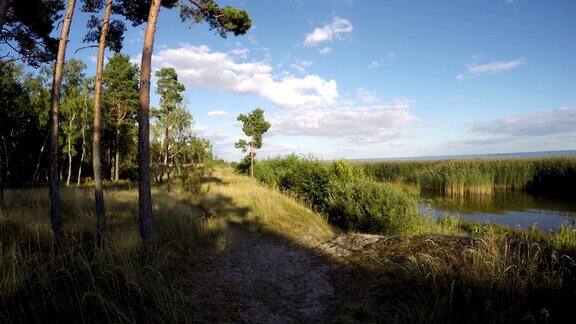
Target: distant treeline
(553,176)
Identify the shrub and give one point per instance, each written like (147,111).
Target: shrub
(343,193)
(364,205)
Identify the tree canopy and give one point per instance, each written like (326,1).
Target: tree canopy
(26,28)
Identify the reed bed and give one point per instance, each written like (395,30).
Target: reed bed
(552,176)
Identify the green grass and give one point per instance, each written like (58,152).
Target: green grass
(553,176)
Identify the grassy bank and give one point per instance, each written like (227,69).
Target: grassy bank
(552,176)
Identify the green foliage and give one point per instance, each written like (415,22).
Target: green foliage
(27,26)
(120,81)
(223,20)
(169,89)
(24,106)
(120,106)
(343,193)
(72,100)
(254,126)
(190,177)
(457,177)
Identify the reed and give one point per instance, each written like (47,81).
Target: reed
(553,176)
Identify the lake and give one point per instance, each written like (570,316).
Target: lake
(512,209)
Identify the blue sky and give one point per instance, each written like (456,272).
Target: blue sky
(369,79)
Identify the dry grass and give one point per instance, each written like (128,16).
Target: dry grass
(243,200)
(39,281)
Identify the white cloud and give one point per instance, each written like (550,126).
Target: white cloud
(301,66)
(329,32)
(477,70)
(391,55)
(557,121)
(325,50)
(217,113)
(366,95)
(240,52)
(374,123)
(374,65)
(199,67)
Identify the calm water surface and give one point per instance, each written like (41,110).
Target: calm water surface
(512,209)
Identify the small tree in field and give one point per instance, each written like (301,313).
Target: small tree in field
(254,126)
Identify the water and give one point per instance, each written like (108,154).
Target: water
(512,209)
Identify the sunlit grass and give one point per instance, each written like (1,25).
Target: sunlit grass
(244,200)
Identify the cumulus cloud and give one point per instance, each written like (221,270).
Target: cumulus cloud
(217,113)
(329,32)
(557,121)
(498,67)
(374,123)
(199,67)
(367,95)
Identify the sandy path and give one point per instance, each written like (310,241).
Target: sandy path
(271,281)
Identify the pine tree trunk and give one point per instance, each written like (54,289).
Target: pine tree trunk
(53,179)
(117,157)
(144,193)
(97,129)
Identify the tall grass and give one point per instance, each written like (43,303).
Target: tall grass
(494,278)
(554,176)
(40,281)
(343,193)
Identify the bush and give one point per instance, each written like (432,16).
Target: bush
(189,177)
(367,206)
(343,193)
